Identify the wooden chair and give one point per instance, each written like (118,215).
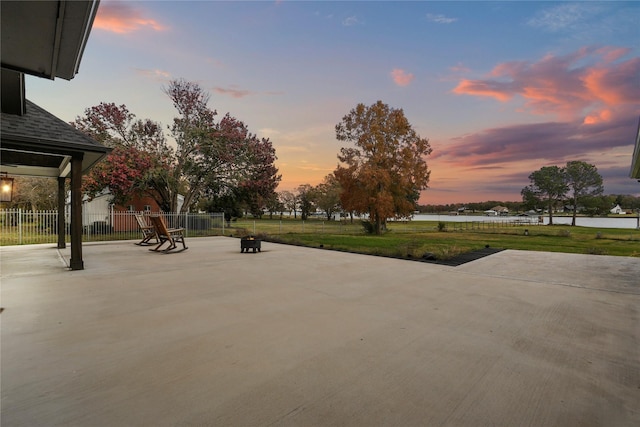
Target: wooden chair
(164,235)
(148,232)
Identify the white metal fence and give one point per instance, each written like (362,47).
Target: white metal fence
(19,227)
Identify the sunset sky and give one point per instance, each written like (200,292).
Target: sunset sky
(499,88)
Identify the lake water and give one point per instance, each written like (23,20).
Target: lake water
(624,222)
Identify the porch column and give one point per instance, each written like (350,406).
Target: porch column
(61,213)
(76,213)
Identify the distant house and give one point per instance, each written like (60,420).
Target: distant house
(617,210)
(569,208)
(490,212)
(500,210)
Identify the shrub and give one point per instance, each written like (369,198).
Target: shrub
(442,226)
(596,251)
(368,226)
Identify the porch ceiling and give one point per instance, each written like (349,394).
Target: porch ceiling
(45,38)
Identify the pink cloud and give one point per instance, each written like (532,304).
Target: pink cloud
(155,74)
(232,91)
(401,77)
(569,86)
(549,142)
(122,18)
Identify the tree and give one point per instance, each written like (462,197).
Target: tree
(221,155)
(228,204)
(139,151)
(257,186)
(548,186)
(306,200)
(34,193)
(386,170)
(210,158)
(289,201)
(583,181)
(273,205)
(327,195)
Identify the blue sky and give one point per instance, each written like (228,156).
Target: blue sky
(500,88)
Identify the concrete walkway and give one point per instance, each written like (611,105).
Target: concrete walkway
(304,337)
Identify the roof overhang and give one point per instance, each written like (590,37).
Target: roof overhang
(45,38)
(39,144)
(635,160)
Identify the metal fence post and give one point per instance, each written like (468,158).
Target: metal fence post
(20,226)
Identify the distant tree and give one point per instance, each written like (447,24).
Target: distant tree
(596,205)
(306,198)
(228,204)
(290,202)
(327,195)
(273,205)
(386,170)
(583,181)
(34,193)
(548,186)
(626,201)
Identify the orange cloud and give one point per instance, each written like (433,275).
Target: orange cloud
(586,80)
(122,18)
(602,116)
(483,88)
(401,77)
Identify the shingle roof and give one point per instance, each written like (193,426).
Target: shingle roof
(38,125)
(39,132)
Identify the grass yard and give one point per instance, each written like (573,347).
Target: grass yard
(416,238)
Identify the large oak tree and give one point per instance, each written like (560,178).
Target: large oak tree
(210,158)
(383,173)
(139,150)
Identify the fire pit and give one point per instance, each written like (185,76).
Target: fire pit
(250,242)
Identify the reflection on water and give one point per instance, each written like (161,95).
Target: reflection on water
(624,222)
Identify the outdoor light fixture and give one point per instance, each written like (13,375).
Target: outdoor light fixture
(6,188)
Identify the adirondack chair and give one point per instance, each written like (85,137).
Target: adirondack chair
(170,235)
(148,232)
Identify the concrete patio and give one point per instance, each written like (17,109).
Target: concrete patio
(307,337)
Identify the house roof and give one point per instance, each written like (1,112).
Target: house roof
(635,160)
(38,143)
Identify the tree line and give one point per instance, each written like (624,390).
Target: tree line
(599,205)
(217,165)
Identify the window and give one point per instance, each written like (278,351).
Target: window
(147,208)
(131,208)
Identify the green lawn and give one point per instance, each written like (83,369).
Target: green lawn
(419,237)
(411,238)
